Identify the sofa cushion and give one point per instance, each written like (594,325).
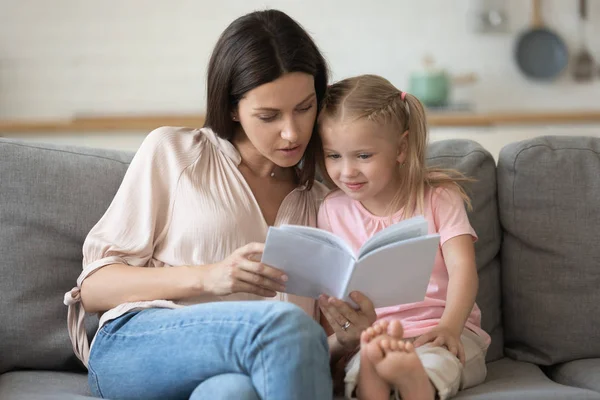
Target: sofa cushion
(50,197)
(549,200)
(44,385)
(580,373)
(471,159)
(509,380)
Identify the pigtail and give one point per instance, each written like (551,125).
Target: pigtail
(416,125)
(432,176)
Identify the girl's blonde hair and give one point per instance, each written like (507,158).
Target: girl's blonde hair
(376,99)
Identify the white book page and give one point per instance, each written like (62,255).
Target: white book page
(398,273)
(314,267)
(407,229)
(321,235)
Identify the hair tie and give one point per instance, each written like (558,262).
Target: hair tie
(402,95)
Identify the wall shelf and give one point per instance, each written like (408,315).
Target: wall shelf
(149,122)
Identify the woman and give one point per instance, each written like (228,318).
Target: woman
(195,205)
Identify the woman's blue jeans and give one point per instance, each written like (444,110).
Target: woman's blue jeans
(228,350)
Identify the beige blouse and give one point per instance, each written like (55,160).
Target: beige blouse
(183,201)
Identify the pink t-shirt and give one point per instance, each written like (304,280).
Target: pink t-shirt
(445,211)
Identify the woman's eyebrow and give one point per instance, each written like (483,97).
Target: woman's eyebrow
(310,96)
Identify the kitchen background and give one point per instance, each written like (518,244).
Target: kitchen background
(103,73)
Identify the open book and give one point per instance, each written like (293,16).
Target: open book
(391,268)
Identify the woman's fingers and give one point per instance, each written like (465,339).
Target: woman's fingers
(365,304)
(344,309)
(332,321)
(332,311)
(251,249)
(263,270)
(242,271)
(258,280)
(253,289)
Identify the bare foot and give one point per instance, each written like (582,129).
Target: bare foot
(382,329)
(395,330)
(370,385)
(396,362)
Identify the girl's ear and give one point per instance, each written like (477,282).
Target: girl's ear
(402,147)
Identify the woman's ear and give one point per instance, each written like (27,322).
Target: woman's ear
(402,147)
(234,115)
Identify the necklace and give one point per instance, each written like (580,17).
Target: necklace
(271,174)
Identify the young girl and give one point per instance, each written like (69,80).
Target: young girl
(374,142)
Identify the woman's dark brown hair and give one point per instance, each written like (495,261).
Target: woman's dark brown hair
(255,49)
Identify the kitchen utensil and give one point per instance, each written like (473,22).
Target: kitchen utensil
(583,63)
(432,85)
(540,53)
(489,16)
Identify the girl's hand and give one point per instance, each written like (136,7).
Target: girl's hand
(347,322)
(442,336)
(240,272)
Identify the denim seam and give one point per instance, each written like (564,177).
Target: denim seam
(95,379)
(261,355)
(262,362)
(106,333)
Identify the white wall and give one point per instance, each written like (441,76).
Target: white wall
(68,57)
(494,139)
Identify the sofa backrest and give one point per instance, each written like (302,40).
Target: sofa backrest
(475,162)
(50,197)
(549,201)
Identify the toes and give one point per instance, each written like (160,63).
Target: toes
(395,330)
(380,326)
(364,337)
(390,345)
(371,332)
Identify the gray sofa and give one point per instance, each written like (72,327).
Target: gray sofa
(537,215)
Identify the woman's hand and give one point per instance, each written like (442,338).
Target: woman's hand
(240,272)
(441,336)
(346,321)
